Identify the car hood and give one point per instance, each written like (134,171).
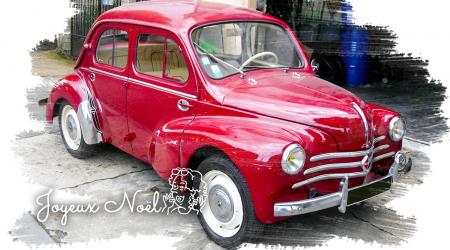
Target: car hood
(305,99)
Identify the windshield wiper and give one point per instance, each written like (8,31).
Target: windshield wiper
(219,60)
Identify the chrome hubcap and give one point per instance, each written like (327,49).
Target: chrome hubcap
(71,127)
(221,204)
(223,212)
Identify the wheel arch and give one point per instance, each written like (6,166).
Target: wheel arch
(202,154)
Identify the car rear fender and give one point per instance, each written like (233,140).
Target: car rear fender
(77,93)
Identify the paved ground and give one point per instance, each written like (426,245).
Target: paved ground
(111,172)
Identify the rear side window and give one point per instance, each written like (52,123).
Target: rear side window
(161,57)
(112,48)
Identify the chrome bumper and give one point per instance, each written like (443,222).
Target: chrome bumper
(341,199)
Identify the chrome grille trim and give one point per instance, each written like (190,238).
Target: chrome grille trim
(364,119)
(383,156)
(378,139)
(334,166)
(329,177)
(381,148)
(339,155)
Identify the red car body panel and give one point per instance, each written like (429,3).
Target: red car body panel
(250,120)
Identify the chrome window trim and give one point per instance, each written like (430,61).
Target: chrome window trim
(145,84)
(383,156)
(335,166)
(163,89)
(329,177)
(109,74)
(363,117)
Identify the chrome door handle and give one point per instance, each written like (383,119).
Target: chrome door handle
(184,105)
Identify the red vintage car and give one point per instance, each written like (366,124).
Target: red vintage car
(229,92)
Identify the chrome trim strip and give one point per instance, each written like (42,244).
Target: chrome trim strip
(109,74)
(329,177)
(170,91)
(383,156)
(381,148)
(146,84)
(378,139)
(333,166)
(363,117)
(339,155)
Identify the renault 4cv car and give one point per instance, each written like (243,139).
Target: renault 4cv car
(226,91)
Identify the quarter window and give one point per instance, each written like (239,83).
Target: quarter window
(112,48)
(161,57)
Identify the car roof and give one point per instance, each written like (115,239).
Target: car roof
(177,16)
(180,15)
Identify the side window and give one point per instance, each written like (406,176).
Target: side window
(112,48)
(150,54)
(160,57)
(176,67)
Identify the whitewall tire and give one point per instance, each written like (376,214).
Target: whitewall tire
(228,216)
(71,132)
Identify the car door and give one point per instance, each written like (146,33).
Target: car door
(108,74)
(161,97)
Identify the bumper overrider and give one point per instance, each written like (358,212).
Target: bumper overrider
(346,196)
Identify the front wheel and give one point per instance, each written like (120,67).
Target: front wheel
(71,133)
(228,216)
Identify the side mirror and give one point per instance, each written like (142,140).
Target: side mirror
(315,65)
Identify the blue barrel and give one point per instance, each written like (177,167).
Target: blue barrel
(354,54)
(354,49)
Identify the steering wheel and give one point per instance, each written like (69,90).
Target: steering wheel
(259,55)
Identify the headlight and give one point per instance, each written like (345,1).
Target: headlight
(397,129)
(293,160)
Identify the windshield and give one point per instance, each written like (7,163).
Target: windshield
(230,48)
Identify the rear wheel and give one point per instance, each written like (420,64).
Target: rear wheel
(71,133)
(228,216)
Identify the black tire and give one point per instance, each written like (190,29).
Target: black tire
(84,150)
(250,226)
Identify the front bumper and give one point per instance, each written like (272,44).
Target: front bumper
(346,196)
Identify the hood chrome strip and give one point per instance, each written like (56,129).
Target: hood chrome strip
(363,117)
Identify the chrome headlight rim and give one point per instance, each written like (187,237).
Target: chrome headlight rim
(392,126)
(286,166)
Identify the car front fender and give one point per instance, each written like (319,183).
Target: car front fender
(255,145)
